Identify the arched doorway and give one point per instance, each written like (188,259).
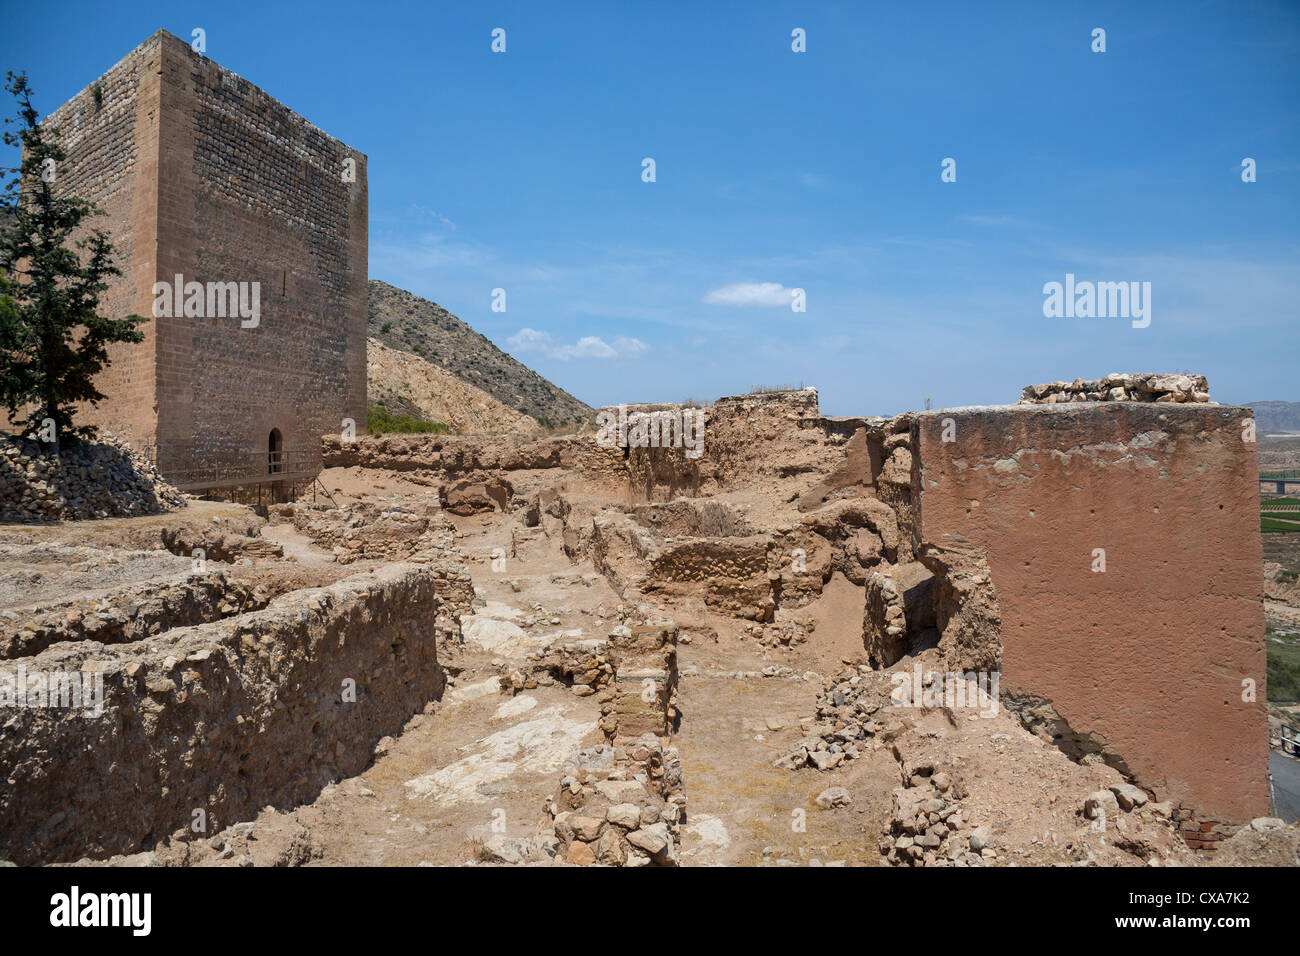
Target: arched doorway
(275,464)
(274,453)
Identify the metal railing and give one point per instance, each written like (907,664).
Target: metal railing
(273,475)
(1290,740)
(250,466)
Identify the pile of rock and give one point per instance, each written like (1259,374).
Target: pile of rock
(1116,387)
(582,665)
(929,827)
(1109,806)
(620,805)
(1154,831)
(852,719)
(100,479)
(782,634)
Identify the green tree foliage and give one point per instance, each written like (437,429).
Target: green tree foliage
(380,420)
(53,341)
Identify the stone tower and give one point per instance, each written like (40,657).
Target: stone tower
(211,185)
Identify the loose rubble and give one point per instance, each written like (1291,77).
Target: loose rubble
(620,805)
(928,826)
(1145,387)
(852,719)
(105,478)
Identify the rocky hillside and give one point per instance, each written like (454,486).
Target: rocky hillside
(406,384)
(407,323)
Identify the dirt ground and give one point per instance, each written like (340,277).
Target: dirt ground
(481,762)
(467,781)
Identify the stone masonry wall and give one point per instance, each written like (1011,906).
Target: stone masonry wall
(252,192)
(109,132)
(1145,659)
(205,176)
(225,717)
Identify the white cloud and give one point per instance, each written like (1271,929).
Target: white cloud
(529,340)
(589,346)
(630,348)
(765,294)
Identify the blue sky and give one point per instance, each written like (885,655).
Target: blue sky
(778,170)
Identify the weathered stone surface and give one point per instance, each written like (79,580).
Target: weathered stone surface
(1128,796)
(1101,802)
(475,496)
(203,175)
(580,854)
(216,716)
(626,815)
(834,797)
(1164,494)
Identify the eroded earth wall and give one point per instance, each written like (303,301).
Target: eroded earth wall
(1145,659)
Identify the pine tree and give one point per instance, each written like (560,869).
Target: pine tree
(53,341)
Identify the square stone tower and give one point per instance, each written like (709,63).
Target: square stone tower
(211,185)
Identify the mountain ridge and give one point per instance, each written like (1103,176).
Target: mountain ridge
(406,322)
(1276,416)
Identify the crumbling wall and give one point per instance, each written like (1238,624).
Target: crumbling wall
(643,695)
(461,455)
(128,613)
(366,531)
(755,439)
(899,613)
(1122,539)
(621,803)
(732,574)
(620,806)
(223,718)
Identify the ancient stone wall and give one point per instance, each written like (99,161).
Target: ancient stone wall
(455,456)
(127,613)
(1122,540)
(225,717)
(746,439)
